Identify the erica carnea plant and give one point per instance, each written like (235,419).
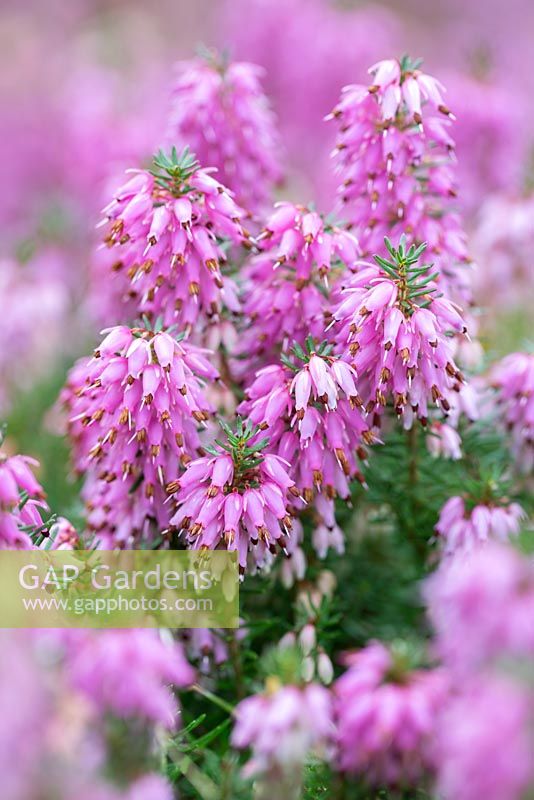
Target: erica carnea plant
(305,386)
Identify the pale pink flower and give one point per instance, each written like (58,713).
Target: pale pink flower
(283,726)
(461,530)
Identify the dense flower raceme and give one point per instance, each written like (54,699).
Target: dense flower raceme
(287,282)
(311,411)
(461,529)
(513,379)
(56,742)
(237,498)
(134,411)
(284,726)
(385,716)
(394,330)
(394,147)
(220,111)
(482,611)
(165,229)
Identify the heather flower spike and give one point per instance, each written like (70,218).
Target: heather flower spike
(135,410)
(236,497)
(395,160)
(219,108)
(394,329)
(288,282)
(169,229)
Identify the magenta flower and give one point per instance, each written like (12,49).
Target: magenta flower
(386,717)
(283,726)
(513,378)
(236,497)
(126,673)
(165,228)
(220,111)
(311,411)
(394,331)
(461,530)
(286,283)
(21,499)
(485,742)
(133,415)
(394,149)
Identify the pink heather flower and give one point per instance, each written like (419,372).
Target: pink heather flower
(287,281)
(312,416)
(394,156)
(133,415)
(513,378)
(394,331)
(165,229)
(444,440)
(126,673)
(283,727)
(461,531)
(21,498)
(220,111)
(482,608)
(385,718)
(236,499)
(485,742)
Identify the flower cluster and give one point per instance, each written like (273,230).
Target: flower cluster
(128,673)
(283,726)
(287,281)
(395,332)
(165,229)
(236,497)
(394,146)
(310,408)
(220,111)
(513,378)
(21,498)
(134,411)
(386,716)
(461,530)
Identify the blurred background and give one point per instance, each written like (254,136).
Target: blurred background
(84,94)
